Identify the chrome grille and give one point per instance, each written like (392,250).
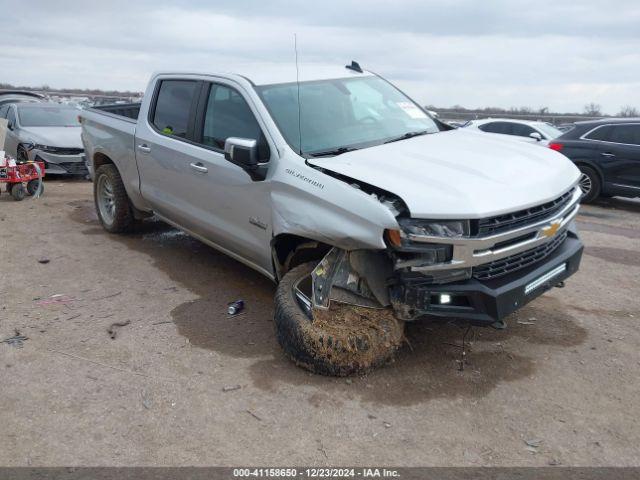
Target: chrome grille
(510,221)
(515,262)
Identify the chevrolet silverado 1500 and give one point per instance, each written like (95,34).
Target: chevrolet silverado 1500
(366,210)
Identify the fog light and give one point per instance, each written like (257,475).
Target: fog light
(445,299)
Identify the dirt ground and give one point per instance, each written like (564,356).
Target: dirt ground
(184,384)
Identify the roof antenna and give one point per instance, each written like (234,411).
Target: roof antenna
(295,47)
(355,66)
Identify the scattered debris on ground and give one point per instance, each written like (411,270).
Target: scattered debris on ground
(17,341)
(113,329)
(234,308)
(231,388)
(55,300)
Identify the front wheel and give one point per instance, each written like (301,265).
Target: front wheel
(112,202)
(589,183)
(344,340)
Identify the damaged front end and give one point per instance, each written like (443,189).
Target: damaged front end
(479,271)
(357,277)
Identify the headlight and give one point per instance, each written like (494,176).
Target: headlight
(45,148)
(436,228)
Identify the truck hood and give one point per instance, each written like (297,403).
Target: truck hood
(459,174)
(63,137)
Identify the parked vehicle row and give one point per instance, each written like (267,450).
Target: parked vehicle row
(525,130)
(607,152)
(348,194)
(46,132)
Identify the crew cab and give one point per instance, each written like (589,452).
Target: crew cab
(365,209)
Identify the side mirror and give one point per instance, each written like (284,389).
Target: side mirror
(242,151)
(536,135)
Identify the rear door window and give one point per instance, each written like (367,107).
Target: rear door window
(628,134)
(173,107)
(3,111)
(601,134)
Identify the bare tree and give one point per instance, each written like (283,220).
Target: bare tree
(593,109)
(628,111)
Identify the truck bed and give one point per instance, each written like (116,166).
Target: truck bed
(129,110)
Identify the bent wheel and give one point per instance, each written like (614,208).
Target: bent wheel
(341,341)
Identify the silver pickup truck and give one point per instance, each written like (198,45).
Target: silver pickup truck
(365,209)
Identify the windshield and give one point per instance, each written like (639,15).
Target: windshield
(343,114)
(48,117)
(550,131)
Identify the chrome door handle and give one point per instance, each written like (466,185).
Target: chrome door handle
(144,148)
(607,154)
(198,167)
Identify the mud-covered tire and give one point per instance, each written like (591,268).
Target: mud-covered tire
(115,215)
(18,192)
(344,340)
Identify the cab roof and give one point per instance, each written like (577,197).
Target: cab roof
(275,74)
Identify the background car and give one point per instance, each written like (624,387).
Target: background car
(525,130)
(608,154)
(45,131)
(15,96)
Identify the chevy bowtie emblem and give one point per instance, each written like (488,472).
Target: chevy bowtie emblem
(550,230)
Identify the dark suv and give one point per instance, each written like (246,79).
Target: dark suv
(607,152)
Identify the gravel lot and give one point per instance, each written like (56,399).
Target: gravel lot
(184,384)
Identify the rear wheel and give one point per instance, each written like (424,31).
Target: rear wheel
(589,183)
(341,341)
(112,203)
(18,192)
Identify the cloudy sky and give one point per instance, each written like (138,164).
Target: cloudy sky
(556,53)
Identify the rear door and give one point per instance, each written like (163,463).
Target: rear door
(161,144)
(622,148)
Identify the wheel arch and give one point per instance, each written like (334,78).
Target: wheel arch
(289,251)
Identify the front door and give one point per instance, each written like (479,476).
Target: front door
(185,177)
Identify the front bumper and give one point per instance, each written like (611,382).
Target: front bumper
(62,164)
(483,303)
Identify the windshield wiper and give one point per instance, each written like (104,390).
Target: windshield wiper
(404,136)
(333,153)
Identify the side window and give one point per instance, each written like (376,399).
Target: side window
(173,105)
(3,111)
(521,130)
(629,134)
(496,127)
(601,134)
(228,115)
